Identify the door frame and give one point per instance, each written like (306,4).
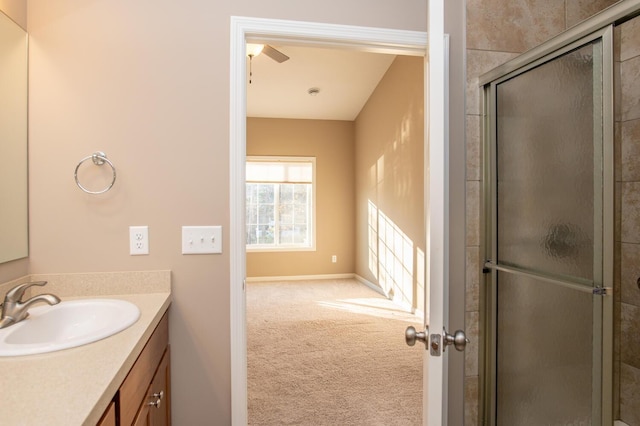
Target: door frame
(242,31)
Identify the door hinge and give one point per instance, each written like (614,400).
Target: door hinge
(601,291)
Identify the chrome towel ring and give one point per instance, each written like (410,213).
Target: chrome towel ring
(98,158)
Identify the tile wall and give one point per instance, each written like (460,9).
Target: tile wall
(627,302)
(498,30)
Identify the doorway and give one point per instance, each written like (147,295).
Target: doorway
(248,29)
(549,237)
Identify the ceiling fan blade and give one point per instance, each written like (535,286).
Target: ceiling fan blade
(274,54)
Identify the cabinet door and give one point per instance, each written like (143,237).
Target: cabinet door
(161,413)
(156,406)
(109,417)
(143,418)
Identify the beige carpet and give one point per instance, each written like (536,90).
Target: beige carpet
(330,353)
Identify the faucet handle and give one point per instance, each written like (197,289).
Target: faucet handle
(16,293)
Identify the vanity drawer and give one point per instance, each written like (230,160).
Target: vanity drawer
(134,388)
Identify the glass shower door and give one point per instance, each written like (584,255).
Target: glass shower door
(545,241)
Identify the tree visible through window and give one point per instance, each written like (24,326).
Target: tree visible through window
(280,203)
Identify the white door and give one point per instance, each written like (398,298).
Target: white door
(437,340)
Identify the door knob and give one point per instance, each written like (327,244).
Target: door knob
(411,336)
(458,340)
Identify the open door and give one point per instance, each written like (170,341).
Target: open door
(437,340)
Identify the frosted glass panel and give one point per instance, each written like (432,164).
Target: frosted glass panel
(544,353)
(545,160)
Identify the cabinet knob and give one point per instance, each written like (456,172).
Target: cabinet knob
(158,401)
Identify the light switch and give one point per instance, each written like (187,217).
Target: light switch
(201,239)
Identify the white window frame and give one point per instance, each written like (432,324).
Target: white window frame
(289,248)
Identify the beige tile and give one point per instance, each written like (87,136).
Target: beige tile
(617,200)
(617,151)
(512,25)
(630,212)
(616,389)
(617,92)
(630,335)
(473,213)
(478,63)
(471,353)
(474,143)
(629,39)
(630,273)
(630,394)
(630,89)
(579,10)
(472,285)
(617,41)
(630,150)
(471,401)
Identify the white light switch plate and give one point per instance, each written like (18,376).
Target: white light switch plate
(201,239)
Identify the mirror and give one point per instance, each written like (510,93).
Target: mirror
(14,239)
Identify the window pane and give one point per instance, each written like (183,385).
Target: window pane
(251,234)
(286,234)
(300,234)
(265,234)
(252,214)
(286,213)
(265,193)
(266,214)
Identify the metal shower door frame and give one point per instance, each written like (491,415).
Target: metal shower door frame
(602,375)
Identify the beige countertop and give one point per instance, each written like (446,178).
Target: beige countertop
(74,386)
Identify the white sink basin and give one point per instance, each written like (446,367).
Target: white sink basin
(67,325)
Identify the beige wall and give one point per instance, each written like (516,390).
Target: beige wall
(390,182)
(332,143)
(16,10)
(497,31)
(148,83)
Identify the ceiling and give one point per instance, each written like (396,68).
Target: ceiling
(345,79)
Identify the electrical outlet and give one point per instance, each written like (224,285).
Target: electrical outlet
(334,259)
(138,240)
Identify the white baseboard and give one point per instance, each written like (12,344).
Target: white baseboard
(372,286)
(301,278)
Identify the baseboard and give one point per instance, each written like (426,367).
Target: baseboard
(372,286)
(619,423)
(406,306)
(301,278)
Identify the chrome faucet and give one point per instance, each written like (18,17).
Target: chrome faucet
(14,311)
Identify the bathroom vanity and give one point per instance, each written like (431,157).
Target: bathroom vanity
(123,379)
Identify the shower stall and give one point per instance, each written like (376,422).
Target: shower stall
(560,229)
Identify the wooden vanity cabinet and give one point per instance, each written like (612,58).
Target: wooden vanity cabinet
(144,398)
(156,409)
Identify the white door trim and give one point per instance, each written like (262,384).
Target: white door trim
(245,29)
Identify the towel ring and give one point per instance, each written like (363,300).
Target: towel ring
(98,158)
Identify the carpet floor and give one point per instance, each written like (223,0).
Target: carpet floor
(330,352)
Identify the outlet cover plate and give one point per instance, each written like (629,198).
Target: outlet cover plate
(201,239)
(138,240)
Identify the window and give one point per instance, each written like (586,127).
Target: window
(280,203)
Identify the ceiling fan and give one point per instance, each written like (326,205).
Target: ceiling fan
(254,50)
